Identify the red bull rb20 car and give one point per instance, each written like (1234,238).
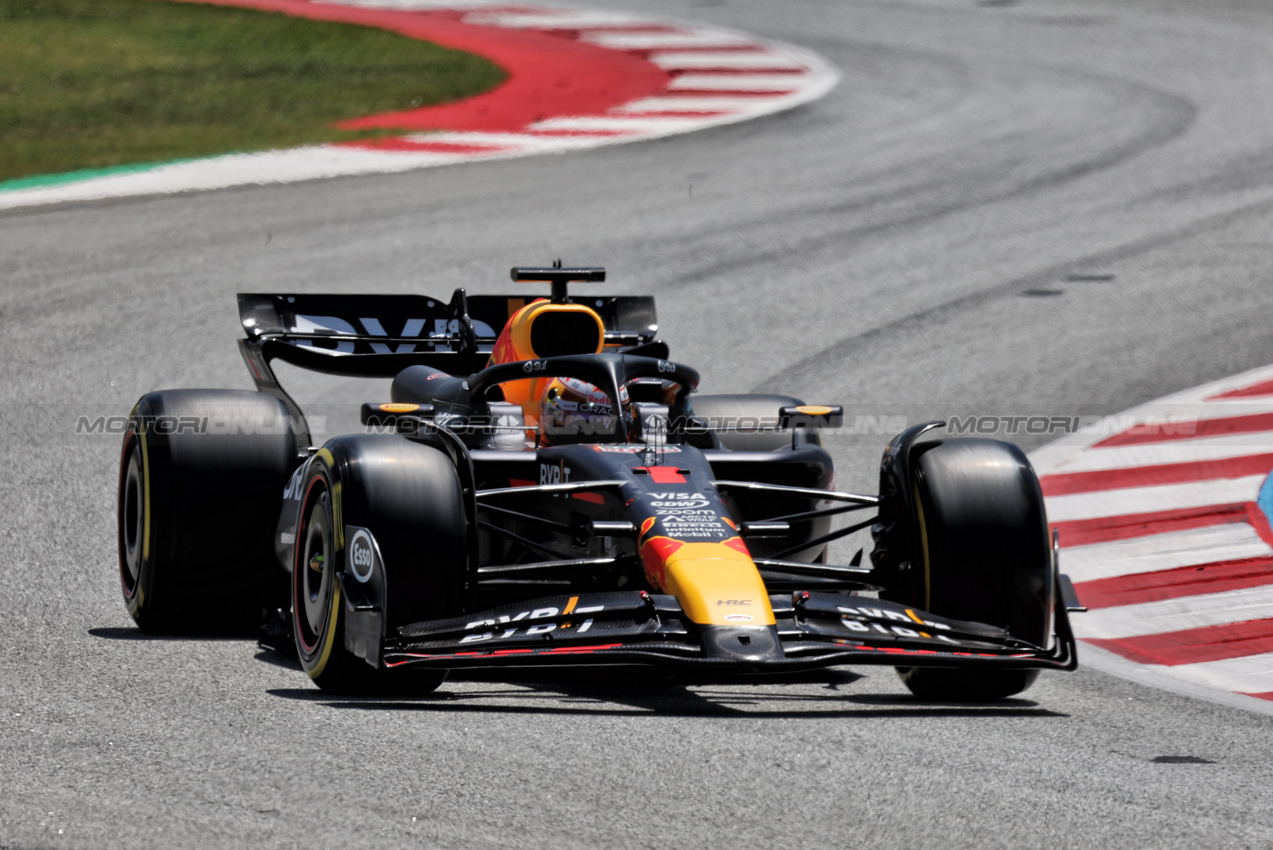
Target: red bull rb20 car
(545,487)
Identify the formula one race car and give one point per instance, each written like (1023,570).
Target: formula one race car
(545,487)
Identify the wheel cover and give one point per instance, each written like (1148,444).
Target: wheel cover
(132,518)
(314,573)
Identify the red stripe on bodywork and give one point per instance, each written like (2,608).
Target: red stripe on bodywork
(664,474)
(1175,583)
(1190,430)
(1266,695)
(1147,476)
(1191,646)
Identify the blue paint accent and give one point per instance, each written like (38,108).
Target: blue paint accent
(1265,500)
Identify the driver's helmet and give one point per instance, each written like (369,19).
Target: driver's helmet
(574,411)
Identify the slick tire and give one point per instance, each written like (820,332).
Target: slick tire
(408,496)
(201,481)
(746,413)
(983,554)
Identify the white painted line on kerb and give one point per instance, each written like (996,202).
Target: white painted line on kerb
(1252,674)
(737,82)
(687,103)
(558,19)
(667,40)
(417,5)
(756,61)
(1138,554)
(508,141)
(1141,500)
(1197,450)
(1174,615)
(1130,556)
(617,123)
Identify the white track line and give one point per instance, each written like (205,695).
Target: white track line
(1153,552)
(1166,497)
(1173,615)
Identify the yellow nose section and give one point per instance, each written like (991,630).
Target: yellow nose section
(717,586)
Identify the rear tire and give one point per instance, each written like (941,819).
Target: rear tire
(983,554)
(201,483)
(408,496)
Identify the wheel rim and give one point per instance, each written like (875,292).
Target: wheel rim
(313,572)
(132,520)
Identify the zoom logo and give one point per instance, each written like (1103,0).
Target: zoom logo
(362,555)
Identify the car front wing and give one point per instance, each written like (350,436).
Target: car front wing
(811,630)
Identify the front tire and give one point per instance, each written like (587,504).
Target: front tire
(983,554)
(408,496)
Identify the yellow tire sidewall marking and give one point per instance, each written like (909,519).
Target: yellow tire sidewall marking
(330,639)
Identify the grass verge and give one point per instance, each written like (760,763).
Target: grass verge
(98,84)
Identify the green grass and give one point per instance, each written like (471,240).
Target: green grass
(98,84)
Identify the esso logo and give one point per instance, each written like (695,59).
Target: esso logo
(361,556)
(665,367)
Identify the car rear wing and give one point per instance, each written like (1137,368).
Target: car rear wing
(380,335)
(377,336)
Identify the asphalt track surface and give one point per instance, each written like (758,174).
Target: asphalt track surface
(934,238)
